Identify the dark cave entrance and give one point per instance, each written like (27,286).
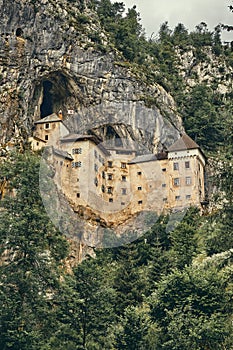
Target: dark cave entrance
(113,137)
(46,107)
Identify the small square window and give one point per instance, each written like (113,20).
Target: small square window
(176,181)
(110,177)
(139,202)
(139,188)
(110,200)
(175,166)
(164,169)
(123,165)
(46,137)
(123,191)
(110,190)
(164,185)
(123,178)
(164,199)
(110,164)
(47,126)
(177,198)
(139,173)
(187,165)
(188,196)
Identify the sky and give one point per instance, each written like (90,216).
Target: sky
(189,12)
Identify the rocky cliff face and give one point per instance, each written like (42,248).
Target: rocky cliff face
(55,56)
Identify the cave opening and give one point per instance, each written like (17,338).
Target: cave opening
(46,107)
(113,137)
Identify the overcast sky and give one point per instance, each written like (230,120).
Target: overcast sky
(189,12)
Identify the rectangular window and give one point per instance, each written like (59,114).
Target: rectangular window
(110,190)
(95,167)
(110,200)
(176,181)
(177,198)
(110,164)
(164,199)
(175,166)
(139,188)
(76,164)
(123,178)
(78,195)
(139,173)
(123,191)
(95,153)
(47,126)
(164,169)
(103,188)
(61,162)
(96,181)
(103,175)
(110,177)
(139,202)
(187,165)
(46,137)
(122,203)
(188,196)
(123,165)
(188,180)
(164,185)
(76,150)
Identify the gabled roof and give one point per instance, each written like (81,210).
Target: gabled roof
(185,142)
(62,154)
(49,119)
(144,158)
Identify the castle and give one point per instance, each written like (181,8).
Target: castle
(116,182)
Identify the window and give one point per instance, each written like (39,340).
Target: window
(188,196)
(95,153)
(103,174)
(37,143)
(164,169)
(123,165)
(103,188)
(188,180)
(76,150)
(100,158)
(139,173)
(47,126)
(177,198)
(139,188)
(96,181)
(110,176)
(175,166)
(78,195)
(164,185)
(176,181)
(76,164)
(187,165)
(110,200)
(123,178)
(139,202)
(96,167)
(110,190)
(123,191)
(46,137)
(110,164)
(61,162)
(122,203)
(164,199)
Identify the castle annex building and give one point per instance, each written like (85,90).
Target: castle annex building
(115,183)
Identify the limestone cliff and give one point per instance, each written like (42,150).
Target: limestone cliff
(54,55)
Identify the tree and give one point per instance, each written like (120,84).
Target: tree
(33,250)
